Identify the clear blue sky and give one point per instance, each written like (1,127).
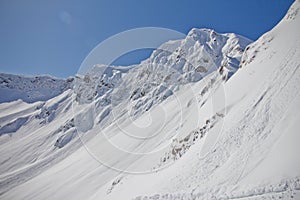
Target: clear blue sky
(54,36)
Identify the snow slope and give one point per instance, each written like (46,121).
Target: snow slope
(205,139)
(44,120)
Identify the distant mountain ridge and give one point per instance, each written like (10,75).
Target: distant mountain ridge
(31,88)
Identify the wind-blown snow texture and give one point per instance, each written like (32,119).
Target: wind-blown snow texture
(176,116)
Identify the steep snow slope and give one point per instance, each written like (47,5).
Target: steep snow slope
(209,140)
(38,131)
(256,155)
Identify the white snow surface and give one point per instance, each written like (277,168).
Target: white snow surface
(172,127)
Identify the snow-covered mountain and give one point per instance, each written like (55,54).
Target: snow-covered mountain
(43,116)
(175,63)
(207,117)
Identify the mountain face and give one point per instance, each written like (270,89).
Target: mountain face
(173,64)
(212,116)
(45,119)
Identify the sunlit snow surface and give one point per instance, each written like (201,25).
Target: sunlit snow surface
(169,128)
